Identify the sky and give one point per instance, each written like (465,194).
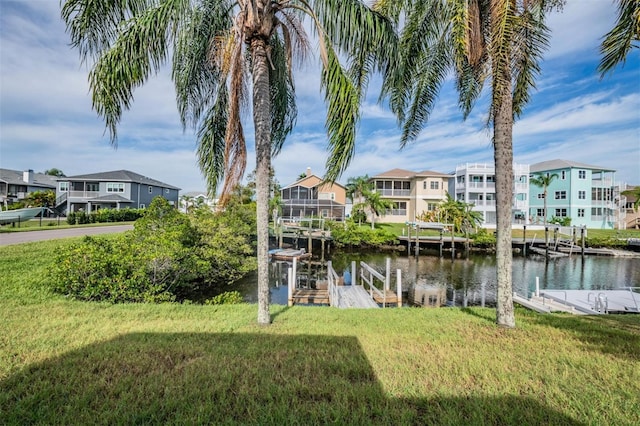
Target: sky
(46,119)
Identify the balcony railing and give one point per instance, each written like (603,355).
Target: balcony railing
(83,194)
(394,192)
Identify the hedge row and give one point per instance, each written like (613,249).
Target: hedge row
(104,215)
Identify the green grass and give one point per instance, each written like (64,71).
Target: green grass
(66,362)
(48,224)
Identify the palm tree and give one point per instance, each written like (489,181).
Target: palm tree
(543,180)
(221,48)
(499,40)
(373,201)
(623,36)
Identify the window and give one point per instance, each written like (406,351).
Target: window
(563,175)
(166,190)
(561,195)
(115,187)
(582,174)
(141,206)
(540,212)
(432,207)
(540,195)
(435,184)
(424,185)
(580,212)
(561,213)
(63,186)
(150,189)
(93,187)
(582,195)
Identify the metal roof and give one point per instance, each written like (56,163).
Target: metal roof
(119,176)
(564,164)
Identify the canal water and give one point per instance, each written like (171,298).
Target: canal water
(472,280)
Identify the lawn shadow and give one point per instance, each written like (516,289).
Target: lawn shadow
(617,335)
(484,314)
(191,378)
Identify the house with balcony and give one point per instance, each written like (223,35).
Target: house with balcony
(309,196)
(475,183)
(585,193)
(114,190)
(629,215)
(412,193)
(16,185)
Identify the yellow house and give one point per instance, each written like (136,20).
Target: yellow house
(310,197)
(411,193)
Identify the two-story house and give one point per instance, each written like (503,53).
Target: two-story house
(585,193)
(411,193)
(16,185)
(475,183)
(115,190)
(310,197)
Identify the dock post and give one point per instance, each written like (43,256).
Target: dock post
(399,287)
(441,241)
(387,276)
(417,240)
(409,240)
(290,284)
(524,240)
(582,239)
(295,271)
(537,286)
(453,244)
(353,273)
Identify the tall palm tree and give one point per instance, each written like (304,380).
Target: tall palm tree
(221,48)
(373,201)
(543,180)
(623,36)
(499,40)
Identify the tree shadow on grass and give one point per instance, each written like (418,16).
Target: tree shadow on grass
(617,335)
(235,378)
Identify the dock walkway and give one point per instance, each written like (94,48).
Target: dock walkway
(354,296)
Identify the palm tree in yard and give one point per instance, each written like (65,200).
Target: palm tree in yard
(543,180)
(222,49)
(500,41)
(373,201)
(625,34)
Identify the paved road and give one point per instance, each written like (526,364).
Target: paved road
(54,234)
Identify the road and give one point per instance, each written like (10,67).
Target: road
(10,238)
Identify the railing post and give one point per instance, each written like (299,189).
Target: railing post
(354,277)
(387,277)
(399,287)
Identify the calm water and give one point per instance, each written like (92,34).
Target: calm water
(475,276)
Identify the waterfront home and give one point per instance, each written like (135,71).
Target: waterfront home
(475,183)
(16,185)
(115,190)
(586,194)
(412,193)
(309,196)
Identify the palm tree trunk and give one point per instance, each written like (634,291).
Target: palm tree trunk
(262,123)
(503,154)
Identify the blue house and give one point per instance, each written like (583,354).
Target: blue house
(115,190)
(585,193)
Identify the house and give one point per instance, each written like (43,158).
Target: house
(412,193)
(309,196)
(629,215)
(475,183)
(15,185)
(196,199)
(115,190)
(584,193)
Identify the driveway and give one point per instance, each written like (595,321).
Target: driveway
(54,234)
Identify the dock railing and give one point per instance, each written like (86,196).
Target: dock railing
(332,285)
(368,276)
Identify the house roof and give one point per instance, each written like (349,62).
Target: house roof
(408,174)
(119,176)
(15,177)
(564,164)
(317,179)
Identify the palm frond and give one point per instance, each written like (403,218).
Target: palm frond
(139,50)
(195,71)
(623,36)
(343,102)
(283,98)
(211,141)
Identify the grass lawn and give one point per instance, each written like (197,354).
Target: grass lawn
(47,224)
(66,362)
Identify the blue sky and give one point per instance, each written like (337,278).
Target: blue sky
(46,118)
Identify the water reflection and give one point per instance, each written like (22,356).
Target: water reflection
(472,281)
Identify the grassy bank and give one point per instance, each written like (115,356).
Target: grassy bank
(66,362)
(49,224)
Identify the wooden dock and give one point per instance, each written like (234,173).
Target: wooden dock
(354,296)
(309,296)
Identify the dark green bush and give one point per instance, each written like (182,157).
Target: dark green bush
(483,238)
(226,298)
(168,256)
(349,233)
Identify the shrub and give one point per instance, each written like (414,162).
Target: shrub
(349,233)
(483,238)
(168,256)
(226,298)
